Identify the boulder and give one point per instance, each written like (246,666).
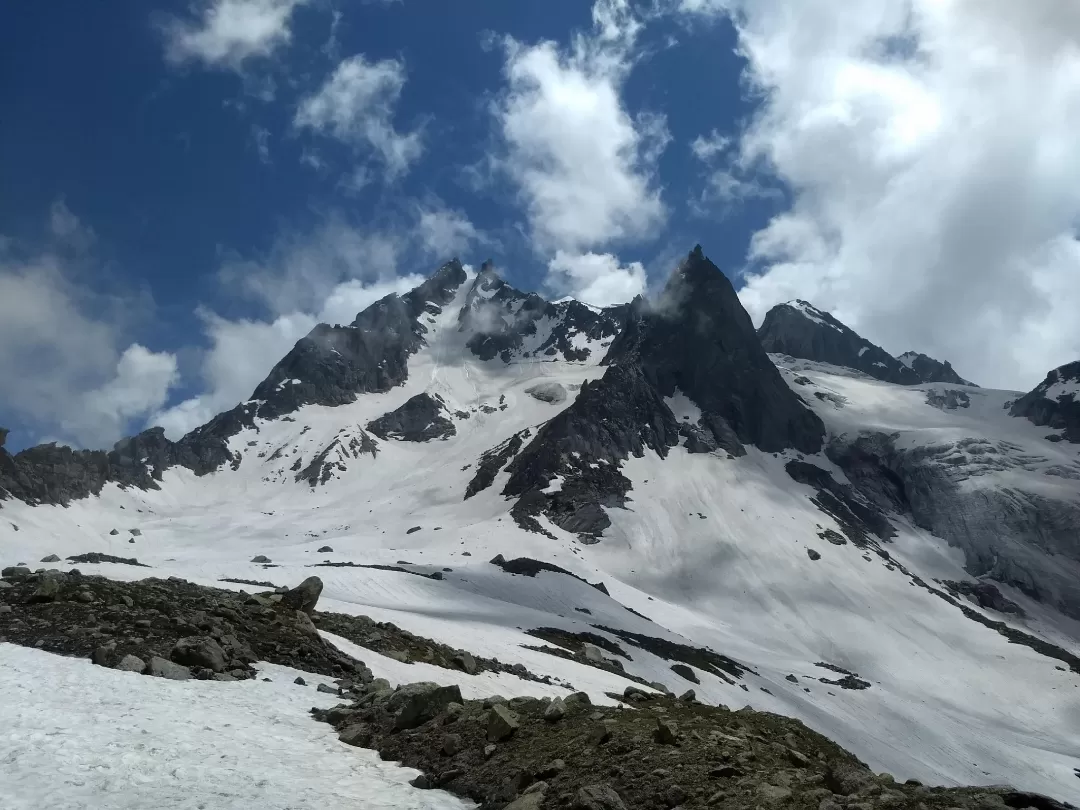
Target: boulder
(15,571)
(161,668)
(813,555)
(199,651)
(502,723)
(51,558)
(326,550)
(358,734)
(667,732)
(597,797)
(131,663)
(47,590)
(423,705)
(466,662)
(260,558)
(555,711)
(528,801)
(304,596)
(552,392)
(844,778)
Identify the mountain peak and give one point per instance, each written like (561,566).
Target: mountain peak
(1055,402)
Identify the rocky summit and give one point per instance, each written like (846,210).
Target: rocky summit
(534,550)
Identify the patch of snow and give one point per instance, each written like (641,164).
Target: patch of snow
(908,359)
(81,737)
(863,350)
(683,407)
(812,313)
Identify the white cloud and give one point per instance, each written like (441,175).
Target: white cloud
(583,165)
(260,136)
(930,147)
(446,233)
(356,106)
(595,278)
(60,346)
(139,387)
(226,33)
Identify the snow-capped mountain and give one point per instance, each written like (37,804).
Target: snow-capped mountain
(799,329)
(789,518)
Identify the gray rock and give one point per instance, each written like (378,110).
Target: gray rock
(597,797)
(101,655)
(15,571)
(300,681)
(667,732)
(592,653)
(260,558)
(114,532)
(135,532)
(466,662)
(689,696)
(501,724)
(813,555)
(5,608)
(326,550)
(555,711)
(326,689)
(577,701)
(304,623)
(51,558)
(454,711)
(451,744)
(5,585)
(357,734)
(844,779)
(773,793)
(304,596)
(423,705)
(131,663)
(161,668)
(199,651)
(547,392)
(47,590)
(527,801)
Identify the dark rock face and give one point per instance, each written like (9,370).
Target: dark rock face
(420,419)
(697,340)
(1055,402)
(503,319)
(1016,537)
(800,330)
(492,462)
(986,595)
(931,370)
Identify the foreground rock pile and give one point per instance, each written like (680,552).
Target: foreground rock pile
(168,627)
(653,752)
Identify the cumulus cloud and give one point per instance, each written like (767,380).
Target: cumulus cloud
(62,346)
(930,150)
(595,278)
(226,33)
(445,232)
(356,106)
(584,167)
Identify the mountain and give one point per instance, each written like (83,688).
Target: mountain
(798,329)
(653,493)
(931,370)
(1055,403)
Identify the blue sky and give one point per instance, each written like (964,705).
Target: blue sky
(186,187)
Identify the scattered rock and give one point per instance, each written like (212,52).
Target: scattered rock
(597,797)
(686,672)
(326,550)
(199,651)
(114,532)
(424,704)
(47,590)
(413,529)
(466,662)
(813,555)
(161,668)
(845,778)
(131,663)
(527,801)
(502,723)
(555,711)
(300,681)
(451,744)
(667,732)
(689,696)
(260,558)
(15,571)
(304,596)
(326,689)
(51,558)
(358,734)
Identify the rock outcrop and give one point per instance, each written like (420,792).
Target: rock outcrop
(1055,402)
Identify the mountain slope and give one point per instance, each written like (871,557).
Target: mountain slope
(682,471)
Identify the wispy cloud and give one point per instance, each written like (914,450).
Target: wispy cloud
(225,34)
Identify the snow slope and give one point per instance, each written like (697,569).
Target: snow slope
(712,550)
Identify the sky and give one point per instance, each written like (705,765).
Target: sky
(188,186)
